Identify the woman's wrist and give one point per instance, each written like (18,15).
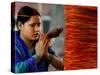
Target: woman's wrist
(37,58)
(50,57)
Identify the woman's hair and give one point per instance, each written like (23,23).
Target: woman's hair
(25,13)
(12,21)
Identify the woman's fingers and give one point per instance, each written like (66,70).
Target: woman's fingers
(43,40)
(46,43)
(42,45)
(41,36)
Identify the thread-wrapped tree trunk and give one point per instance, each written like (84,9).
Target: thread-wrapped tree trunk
(80,48)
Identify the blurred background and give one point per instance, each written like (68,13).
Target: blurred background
(52,15)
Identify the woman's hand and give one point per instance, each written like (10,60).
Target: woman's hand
(42,45)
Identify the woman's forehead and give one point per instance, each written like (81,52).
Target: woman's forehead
(35,19)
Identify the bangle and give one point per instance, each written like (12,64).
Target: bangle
(50,57)
(37,58)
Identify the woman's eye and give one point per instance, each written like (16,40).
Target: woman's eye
(38,25)
(32,25)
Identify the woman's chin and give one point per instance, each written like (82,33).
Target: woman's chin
(36,38)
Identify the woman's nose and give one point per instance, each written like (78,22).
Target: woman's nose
(36,28)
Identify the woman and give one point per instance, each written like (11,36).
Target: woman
(32,52)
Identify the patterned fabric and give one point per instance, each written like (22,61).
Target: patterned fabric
(22,60)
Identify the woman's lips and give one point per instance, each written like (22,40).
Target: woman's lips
(36,34)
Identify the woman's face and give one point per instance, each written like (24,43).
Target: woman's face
(31,28)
